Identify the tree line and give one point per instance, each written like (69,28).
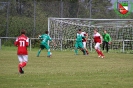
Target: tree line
(32,15)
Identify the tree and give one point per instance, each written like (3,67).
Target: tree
(100,8)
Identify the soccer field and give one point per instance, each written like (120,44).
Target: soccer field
(66,70)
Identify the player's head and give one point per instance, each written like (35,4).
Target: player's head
(95,31)
(86,32)
(46,32)
(105,31)
(79,31)
(22,31)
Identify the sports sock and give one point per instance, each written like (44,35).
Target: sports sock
(87,52)
(24,64)
(48,53)
(84,51)
(76,51)
(39,51)
(98,51)
(19,65)
(101,53)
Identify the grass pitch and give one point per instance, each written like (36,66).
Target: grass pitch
(66,70)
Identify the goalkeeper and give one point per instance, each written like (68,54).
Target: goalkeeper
(106,40)
(44,43)
(79,43)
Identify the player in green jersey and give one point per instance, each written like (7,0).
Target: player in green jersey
(106,40)
(79,43)
(44,43)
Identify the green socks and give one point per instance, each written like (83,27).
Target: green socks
(76,51)
(39,51)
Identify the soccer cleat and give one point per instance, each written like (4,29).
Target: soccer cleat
(99,55)
(49,56)
(21,70)
(87,52)
(37,56)
(102,56)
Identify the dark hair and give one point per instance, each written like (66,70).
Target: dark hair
(22,31)
(96,30)
(79,29)
(46,32)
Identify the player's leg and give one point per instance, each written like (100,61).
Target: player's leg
(84,45)
(96,48)
(76,48)
(99,52)
(80,44)
(39,51)
(20,58)
(107,48)
(48,50)
(25,60)
(103,45)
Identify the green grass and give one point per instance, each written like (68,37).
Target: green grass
(66,70)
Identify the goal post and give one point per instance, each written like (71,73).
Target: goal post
(63,31)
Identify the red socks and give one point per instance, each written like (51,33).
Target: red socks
(99,52)
(87,52)
(23,64)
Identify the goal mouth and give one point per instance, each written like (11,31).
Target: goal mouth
(63,31)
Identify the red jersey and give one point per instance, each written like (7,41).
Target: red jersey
(97,38)
(22,42)
(84,34)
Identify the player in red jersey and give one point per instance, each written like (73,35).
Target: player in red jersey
(22,42)
(85,40)
(98,40)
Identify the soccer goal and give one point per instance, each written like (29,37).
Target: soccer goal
(63,31)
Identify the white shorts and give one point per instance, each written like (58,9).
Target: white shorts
(84,44)
(23,58)
(97,46)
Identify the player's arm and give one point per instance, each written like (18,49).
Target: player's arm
(40,36)
(101,39)
(52,41)
(16,42)
(109,39)
(27,42)
(86,36)
(75,37)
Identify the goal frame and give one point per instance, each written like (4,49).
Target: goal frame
(86,19)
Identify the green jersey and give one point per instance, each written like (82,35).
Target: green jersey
(79,37)
(45,38)
(106,37)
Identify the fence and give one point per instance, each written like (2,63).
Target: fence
(33,15)
(121,45)
(3,40)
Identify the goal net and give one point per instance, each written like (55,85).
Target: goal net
(63,31)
